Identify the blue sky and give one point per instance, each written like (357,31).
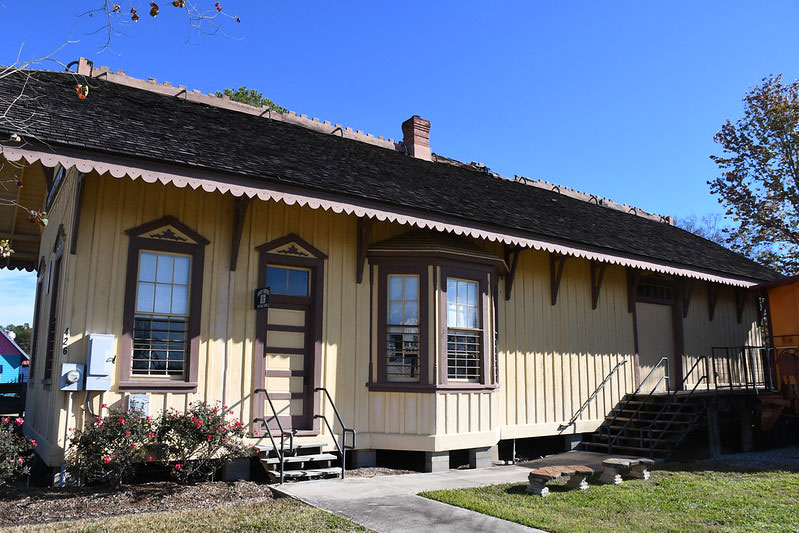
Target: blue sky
(620,99)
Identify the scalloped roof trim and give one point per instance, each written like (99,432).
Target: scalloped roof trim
(120,167)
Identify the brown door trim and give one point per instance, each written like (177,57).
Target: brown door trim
(282,252)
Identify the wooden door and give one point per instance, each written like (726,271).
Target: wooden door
(655,341)
(288,350)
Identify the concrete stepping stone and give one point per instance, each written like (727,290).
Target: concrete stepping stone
(576,474)
(615,469)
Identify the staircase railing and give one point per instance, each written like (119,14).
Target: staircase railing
(593,396)
(671,398)
(340,447)
(664,363)
(281,451)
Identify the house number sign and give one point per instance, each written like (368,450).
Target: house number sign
(262,298)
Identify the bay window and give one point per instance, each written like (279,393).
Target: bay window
(423,274)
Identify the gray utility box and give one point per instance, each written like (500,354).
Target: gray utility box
(99,361)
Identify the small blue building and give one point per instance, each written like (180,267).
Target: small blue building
(14,362)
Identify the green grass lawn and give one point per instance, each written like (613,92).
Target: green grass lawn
(281,515)
(672,500)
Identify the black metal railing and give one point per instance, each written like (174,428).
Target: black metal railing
(281,451)
(743,367)
(680,399)
(563,427)
(662,364)
(341,447)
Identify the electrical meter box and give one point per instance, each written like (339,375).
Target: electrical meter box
(71,377)
(99,361)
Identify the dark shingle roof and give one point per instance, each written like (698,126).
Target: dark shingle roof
(120,119)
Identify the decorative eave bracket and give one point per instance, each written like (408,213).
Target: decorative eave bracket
(512,260)
(73,244)
(686,290)
(239,214)
(633,277)
(740,303)
(597,275)
(364,237)
(557,263)
(712,298)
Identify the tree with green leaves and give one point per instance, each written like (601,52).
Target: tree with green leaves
(23,333)
(251,97)
(759,182)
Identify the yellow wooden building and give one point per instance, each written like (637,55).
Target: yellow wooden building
(439,306)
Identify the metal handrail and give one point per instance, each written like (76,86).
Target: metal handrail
(591,398)
(281,451)
(342,448)
(651,392)
(672,396)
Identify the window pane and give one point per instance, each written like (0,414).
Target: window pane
(395,287)
(461,316)
(147,266)
(277,279)
(182,265)
(165,265)
(395,313)
(163,297)
(144,298)
(411,288)
(452,289)
(180,299)
(471,317)
(462,299)
(411,313)
(472,292)
(298,282)
(451,314)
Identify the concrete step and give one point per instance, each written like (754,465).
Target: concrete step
(300,458)
(633,450)
(642,421)
(298,445)
(311,473)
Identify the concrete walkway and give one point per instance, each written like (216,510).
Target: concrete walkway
(390,504)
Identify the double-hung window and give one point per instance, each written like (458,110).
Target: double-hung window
(402,328)
(161,321)
(163,299)
(464,333)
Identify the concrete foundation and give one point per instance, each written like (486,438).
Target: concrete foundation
(483,457)
(436,461)
(236,469)
(571,442)
(363,458)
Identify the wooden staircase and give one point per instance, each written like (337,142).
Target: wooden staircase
(305,460)
(650,425)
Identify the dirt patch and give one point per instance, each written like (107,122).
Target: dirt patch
(374,471)
(32,506)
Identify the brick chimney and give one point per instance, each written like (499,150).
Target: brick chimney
(416,136)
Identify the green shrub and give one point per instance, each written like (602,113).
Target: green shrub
(109,447)
(16,451)
(198,442)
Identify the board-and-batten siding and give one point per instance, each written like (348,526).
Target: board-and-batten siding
(551,358)
(46,406)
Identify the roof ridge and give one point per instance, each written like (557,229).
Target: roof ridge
(593,198)
(86,68)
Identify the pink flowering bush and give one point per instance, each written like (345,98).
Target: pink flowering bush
(198,442)
(16,451)
(108,448)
